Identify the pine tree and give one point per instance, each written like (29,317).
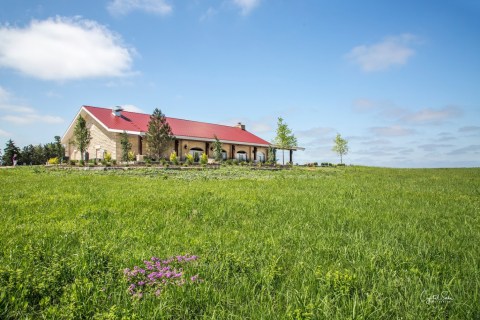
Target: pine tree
(159,134)
(10,150)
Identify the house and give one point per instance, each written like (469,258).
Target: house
(192,137)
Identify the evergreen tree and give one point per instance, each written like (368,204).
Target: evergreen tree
(59,149)
(340,147)
(159,134)
(10,150)
(284,139)
(126,145)
(217,150)
(81,136)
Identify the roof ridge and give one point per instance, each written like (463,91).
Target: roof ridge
(216,124)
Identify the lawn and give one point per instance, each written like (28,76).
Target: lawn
(307,243)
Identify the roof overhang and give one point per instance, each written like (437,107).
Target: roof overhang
(295,148)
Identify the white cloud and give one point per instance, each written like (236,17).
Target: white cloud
(430,115)
(315,132)
(392,131)
(132,108)
(63,49)
(123,7)
(210,13)
(246,6)
(28,115)
(381,56)
(32,118)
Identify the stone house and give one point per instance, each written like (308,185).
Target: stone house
(192,137)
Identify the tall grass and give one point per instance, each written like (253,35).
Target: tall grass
(350,243)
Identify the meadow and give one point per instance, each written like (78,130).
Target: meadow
(235,243)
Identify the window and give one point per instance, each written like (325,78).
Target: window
(260,156)
(196,153)
(224,155)
(242,156)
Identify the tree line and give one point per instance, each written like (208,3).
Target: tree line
(33,154)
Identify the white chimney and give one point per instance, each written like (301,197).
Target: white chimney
(240,126)
(117,111)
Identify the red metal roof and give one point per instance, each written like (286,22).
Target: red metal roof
(138,122)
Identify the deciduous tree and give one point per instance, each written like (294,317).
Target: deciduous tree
(284,139)
(81,136)
(126,145)
(217,150)
(340,146)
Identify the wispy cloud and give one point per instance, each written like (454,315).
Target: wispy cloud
(246,6)
(209,14)
(32,118)
(392,131)
(469,129)
(132,108)
(4,133)
(123,7)
(432,147)
(63,49)
(433,116)
(19,114)
(392,51)
(315,132)
(471,149)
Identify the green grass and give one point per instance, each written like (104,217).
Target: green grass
(347,243)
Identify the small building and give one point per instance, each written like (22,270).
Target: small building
(192,137)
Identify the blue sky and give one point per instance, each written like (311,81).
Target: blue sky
(400,80)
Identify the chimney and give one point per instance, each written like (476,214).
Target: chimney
(117,111)
(240,126)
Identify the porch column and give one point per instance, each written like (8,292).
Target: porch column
(291,156)
(140,147)
(206,148)
(254,153)
(176,147)
(233,151)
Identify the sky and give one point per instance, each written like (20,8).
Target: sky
(400,80)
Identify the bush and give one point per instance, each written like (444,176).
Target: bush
(82,163)
(72,162)
(114,162)
(229,162)
(53,160)
(204,159)
(173,158)
(131,156)
(189,160)
(163,162)
(108,156)
(341,165)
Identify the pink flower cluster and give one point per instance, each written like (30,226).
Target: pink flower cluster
(157,274)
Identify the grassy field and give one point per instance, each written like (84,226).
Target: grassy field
(347,243)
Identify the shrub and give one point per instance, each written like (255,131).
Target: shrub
(114,162)
(82,163)
(204,158)
(163,162)
(53,160)
(148,161)
(189,160)
(73,162)
(235,161)
(341,165)
(229,162)
(131,156)
(173,158)
(108,156)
